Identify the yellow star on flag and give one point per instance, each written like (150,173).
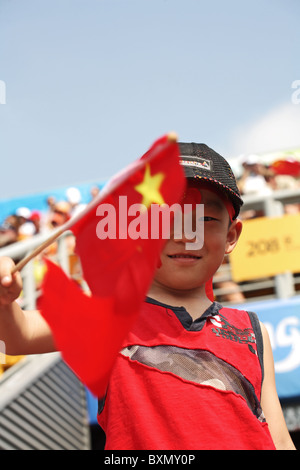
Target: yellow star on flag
(149,188)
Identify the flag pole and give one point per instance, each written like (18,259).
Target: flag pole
(20,265)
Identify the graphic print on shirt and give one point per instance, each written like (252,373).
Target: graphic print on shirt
(227,331)
(199,366)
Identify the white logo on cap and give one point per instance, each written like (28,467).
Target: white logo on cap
(200,163)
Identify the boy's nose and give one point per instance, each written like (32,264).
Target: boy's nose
(188,227)
(182,237)
(189,234)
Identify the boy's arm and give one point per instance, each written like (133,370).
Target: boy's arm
(270,401)
(23,332)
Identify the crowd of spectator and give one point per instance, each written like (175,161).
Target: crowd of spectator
(262,180)
(256,178)
(25,223)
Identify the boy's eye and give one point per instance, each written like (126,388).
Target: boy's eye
(207,218)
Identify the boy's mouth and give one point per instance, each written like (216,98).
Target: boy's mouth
(184,256)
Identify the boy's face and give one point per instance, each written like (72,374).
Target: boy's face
(183,269)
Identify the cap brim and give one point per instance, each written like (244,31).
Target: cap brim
(197,175)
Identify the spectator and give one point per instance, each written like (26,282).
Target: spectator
(94,191)
(74,199)
(36,218)
(47,214)
(278,182)
(51,203)
(9,230)
(26,227)
(61,213)
(253,179)
(23,213)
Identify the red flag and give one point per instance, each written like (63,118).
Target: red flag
(288,166)
(118,258)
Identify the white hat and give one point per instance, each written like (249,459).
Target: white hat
(27,229)
(73,195)
(251,159)
(23,212)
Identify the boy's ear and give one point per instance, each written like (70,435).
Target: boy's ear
(233,235)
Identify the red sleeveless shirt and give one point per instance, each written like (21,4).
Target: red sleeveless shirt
(182,384)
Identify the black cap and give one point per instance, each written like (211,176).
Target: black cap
(200,161)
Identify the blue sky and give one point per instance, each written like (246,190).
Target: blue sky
(90,84)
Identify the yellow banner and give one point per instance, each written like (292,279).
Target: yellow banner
(267,246)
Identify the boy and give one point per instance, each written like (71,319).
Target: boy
(191,374)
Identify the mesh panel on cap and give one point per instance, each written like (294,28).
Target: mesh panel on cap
(217,171)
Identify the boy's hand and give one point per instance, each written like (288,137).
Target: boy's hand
(10,284)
